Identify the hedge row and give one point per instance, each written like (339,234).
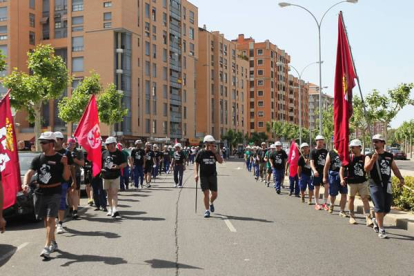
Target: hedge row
(403,198)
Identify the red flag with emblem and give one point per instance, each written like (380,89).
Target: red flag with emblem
(293,159)
(89,135)
(344,82)
(9,157)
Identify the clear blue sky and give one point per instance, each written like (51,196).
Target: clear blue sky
(380,33)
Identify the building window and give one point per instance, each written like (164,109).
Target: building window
(260,62)
(3,13)
(107,16)
(164,73)
(260,82)
(260,124)
(58,25)
(260,52)
(164,55)
(191,17)
(191,33)
(107,4)
(260,72)
(147,10)
(260,104)
(32,38)
(147,48)
(154,14)
(154,51)
(165,91)
(154,70)
(77,5)
(147,68)
(77,44)
(77,64)
(147,125)
(192,53)
(107,25)
(31,4)
(32,20)
(77,20)
(164,127)
(185,112)
(260,93)
(165,110)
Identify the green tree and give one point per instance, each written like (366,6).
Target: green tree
(327,125)
(110,107)
(3,63)
(258,137)
(48,79)
(233,138)
(384,108)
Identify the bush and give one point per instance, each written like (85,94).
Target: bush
(402,197)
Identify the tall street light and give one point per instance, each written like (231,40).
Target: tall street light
(319,24)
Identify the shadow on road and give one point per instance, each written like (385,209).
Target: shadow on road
(245,218)
(155,263)
(128,200)
(399,236)
(21,224)
(88,259)
(74,233)
(6,252)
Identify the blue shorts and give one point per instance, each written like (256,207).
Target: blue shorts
(335,186)
(62,204)
(381,199)
(317,181)
(305,182)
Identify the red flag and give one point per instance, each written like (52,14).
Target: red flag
(9,157)
(293,159)
(89,135)
(344,82)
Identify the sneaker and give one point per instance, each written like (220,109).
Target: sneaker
(268,184)
(207,214)
(45,253)
(149,186)
(375,225)
(116,215)
(318,207)
(90,202)
(325,207)
(382,234)
(330,209)
(59,229)
(342,214)
(212,208)
(53,246)
(75,214)
(278,192)
(97,209)
(309,202)
(175,185)
(352,220)
(369,222)
(104,210)
(109,213)
(180,186)
(302,199)
(290,193)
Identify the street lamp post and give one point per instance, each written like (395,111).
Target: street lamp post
(319,24)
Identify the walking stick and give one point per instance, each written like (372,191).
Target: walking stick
(196,197)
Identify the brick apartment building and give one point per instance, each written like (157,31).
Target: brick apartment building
(327,101)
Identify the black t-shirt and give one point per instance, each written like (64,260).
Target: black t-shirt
(306,168)
(49,171)
(158,155)
(149,158)
(355,170)
(179,158)
(336,162)
(262,154)
(68,154)
(278,158)
(384,161)
(207,160)
(138,156)
(108,160)
(319,158)
(166,155)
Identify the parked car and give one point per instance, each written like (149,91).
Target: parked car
(399,154)
(24,202)
(367,151)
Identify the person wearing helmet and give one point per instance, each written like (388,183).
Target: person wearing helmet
(278,161)
(206,160)
(125,172)
(317,162)
(113,161)
(268,165)
(379,164)
(355,176)
(304,173)
(166,159)
(149,163)
(52,169)
(262,163)
(331,176)
(136,162)
(178,165)
(74,191)
(156,166)
(247,155)
(255,163)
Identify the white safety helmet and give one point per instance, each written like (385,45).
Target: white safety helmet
(59,135)
(138,142)
(155,146)
(178,145)
(48,135)
(209,139)
(355,143)
(110,140)
(378,137)
(170,147)
(278,143)
(304,145)
(263,144)
(319,137)
(272,146)
(147,144)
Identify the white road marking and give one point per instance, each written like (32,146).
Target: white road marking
(11,253)
(229,224)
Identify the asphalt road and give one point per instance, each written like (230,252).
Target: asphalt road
(406,165)
(253,232)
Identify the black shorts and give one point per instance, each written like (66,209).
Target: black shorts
(46,206)
(78,182)
(148,169)
(381,199)
(269,170)
(208,183)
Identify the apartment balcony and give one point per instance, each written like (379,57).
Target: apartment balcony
(175,100)
(175,117)
(175,13)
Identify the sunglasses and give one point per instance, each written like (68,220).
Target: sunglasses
(45,142)
(376,141)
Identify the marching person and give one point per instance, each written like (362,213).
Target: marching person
(157,161)
(268,165)
(354,174)
(278,161)
(78,162)
(113,161)
(2,220)
(206,159)
(255,161)
(149,163)
(317,162)
(379,164)
(52,169)
(305,174)
(331,175)
(178,165)
(99,193)
(166,159)
(124,180)
(247,154)
(262,163)
(136,161)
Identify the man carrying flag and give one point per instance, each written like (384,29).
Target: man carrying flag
(344,82)
(9,160)
(293,160)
